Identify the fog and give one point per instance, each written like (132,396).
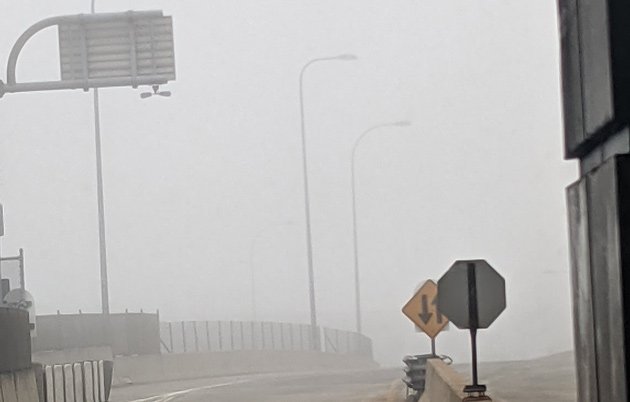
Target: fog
(205,187)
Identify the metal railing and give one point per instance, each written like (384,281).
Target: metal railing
(216,336)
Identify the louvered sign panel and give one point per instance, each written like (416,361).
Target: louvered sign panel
(132,46)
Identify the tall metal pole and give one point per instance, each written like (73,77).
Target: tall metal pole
(100,200)
(307,209)
(357,281)
(21,257)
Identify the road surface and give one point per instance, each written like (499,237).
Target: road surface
(549,379)
(350,386)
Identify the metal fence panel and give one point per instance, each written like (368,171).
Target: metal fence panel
(213,336)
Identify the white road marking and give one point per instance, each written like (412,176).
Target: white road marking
(172,395)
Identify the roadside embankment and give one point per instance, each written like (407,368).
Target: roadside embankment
(170,367)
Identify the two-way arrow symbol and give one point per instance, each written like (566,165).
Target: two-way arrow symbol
(425,315)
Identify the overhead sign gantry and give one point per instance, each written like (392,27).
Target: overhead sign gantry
(131,48)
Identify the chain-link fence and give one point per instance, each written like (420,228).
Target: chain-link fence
(214,336)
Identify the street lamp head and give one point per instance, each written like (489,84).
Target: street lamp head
(402,123)
(346,56)
(156,91)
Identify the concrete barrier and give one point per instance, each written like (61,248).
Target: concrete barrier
(19,386)
(68,383)
(77,375)
(26,386)
(7,385)
(58,385)
(170,367)
(101,380)
(88,382)
(40,381)
(443,384)
(95,381)
(78,382)
(49,384)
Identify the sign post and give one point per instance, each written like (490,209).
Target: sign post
(422,310)
(472,294)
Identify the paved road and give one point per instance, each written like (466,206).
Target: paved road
(347,386)
(549,379)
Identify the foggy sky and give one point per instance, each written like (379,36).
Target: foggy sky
(205,186)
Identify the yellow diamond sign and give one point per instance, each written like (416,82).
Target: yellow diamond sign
(422,310)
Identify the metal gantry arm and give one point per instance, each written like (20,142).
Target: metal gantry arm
(85,82)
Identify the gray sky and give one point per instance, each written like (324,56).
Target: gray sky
(205,186)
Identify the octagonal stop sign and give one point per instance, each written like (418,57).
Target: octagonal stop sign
(471,294)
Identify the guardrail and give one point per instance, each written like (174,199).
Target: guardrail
(214,336)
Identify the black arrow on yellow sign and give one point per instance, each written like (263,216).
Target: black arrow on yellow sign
(439,315)
(424,315)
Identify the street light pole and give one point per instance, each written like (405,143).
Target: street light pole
(357,283)
(100,201)
(307,209)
